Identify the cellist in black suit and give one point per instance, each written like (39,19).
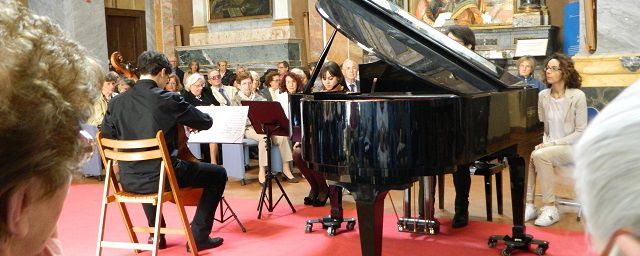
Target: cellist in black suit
(139,114)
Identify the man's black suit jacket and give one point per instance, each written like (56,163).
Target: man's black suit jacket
(139,114)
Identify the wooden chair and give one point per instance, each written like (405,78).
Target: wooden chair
(139,150)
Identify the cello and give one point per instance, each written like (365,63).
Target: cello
(190,196)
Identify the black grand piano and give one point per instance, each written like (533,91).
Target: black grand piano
(427,105)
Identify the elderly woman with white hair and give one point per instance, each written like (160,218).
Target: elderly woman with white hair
(197,94)
(607,174)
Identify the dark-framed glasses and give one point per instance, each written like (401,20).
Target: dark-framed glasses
(554,69)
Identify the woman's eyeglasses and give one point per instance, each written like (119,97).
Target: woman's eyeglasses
(554,69)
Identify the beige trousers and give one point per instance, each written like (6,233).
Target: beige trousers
(542,164)
(281,141)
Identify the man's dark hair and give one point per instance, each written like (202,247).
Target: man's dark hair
(151,63)
(285,63)
(465,34)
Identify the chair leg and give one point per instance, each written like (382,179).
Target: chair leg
(488,197)
(499,191)
(441,191)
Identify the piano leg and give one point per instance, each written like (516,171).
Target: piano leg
(519,240)
(370,206)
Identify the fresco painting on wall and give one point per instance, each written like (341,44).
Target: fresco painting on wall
(226,10)
(494,12)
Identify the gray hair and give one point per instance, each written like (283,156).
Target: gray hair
(607,170)
(192,79)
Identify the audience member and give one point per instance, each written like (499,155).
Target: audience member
(195,93)
(526,68)
(107,92)
(194,68)
(175,69)
(304,78)
(283,67)
(223,93)
(41,109)
(272,81)
(227,77)
(174,84)
(563,110)
(139,114)
(290,83)
(245,94)
(350,72)
(607,176)
(125,84)
(256,81)
(462,177)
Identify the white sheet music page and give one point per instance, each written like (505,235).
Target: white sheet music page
(229,123)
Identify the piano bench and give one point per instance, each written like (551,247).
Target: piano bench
(487,170)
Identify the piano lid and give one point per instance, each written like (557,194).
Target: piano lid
(400,39)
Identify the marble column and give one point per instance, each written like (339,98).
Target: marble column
(150,24)
(81,20)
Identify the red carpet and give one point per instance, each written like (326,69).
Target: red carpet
(282,232)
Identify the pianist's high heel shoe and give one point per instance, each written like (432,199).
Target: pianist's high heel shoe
(308,200)
(321,200)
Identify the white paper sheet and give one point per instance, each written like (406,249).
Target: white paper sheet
(229,123)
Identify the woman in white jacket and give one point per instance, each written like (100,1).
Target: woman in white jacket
(563,110)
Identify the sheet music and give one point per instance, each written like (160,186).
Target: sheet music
(229,123)
(283,98)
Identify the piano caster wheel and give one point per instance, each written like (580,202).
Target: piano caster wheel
(331,231)
(351,225)
(541,250)
(307,228)
(507,251)
(492,243)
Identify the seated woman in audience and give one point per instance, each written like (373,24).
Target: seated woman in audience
(302,75)
(41,146)
(290,83)
(107,92)
(174,84)
(125,84)
(563,110)
(245,94)
(194,68)
(526,68)
(196,95)
(255,86)
(607,175)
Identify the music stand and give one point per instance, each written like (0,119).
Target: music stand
(268,118)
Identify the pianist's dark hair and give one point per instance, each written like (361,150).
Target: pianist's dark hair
(572,78)
(334,70)
(465,34)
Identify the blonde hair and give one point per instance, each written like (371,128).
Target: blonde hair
(178,82)
(48,88)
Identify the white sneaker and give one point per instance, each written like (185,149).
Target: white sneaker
(529,212)
(548,216)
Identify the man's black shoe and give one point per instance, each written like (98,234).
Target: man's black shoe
(207,244)
(460,220)
(162,244)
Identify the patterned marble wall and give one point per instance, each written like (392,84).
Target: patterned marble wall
(617,21)
(81,20)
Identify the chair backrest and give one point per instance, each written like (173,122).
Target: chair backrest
(136,150)
(591,113)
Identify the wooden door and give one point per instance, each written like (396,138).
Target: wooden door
(126,33)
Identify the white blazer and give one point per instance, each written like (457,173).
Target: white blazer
(576,116)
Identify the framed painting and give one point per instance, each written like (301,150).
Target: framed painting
(228,10)
(493,12)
